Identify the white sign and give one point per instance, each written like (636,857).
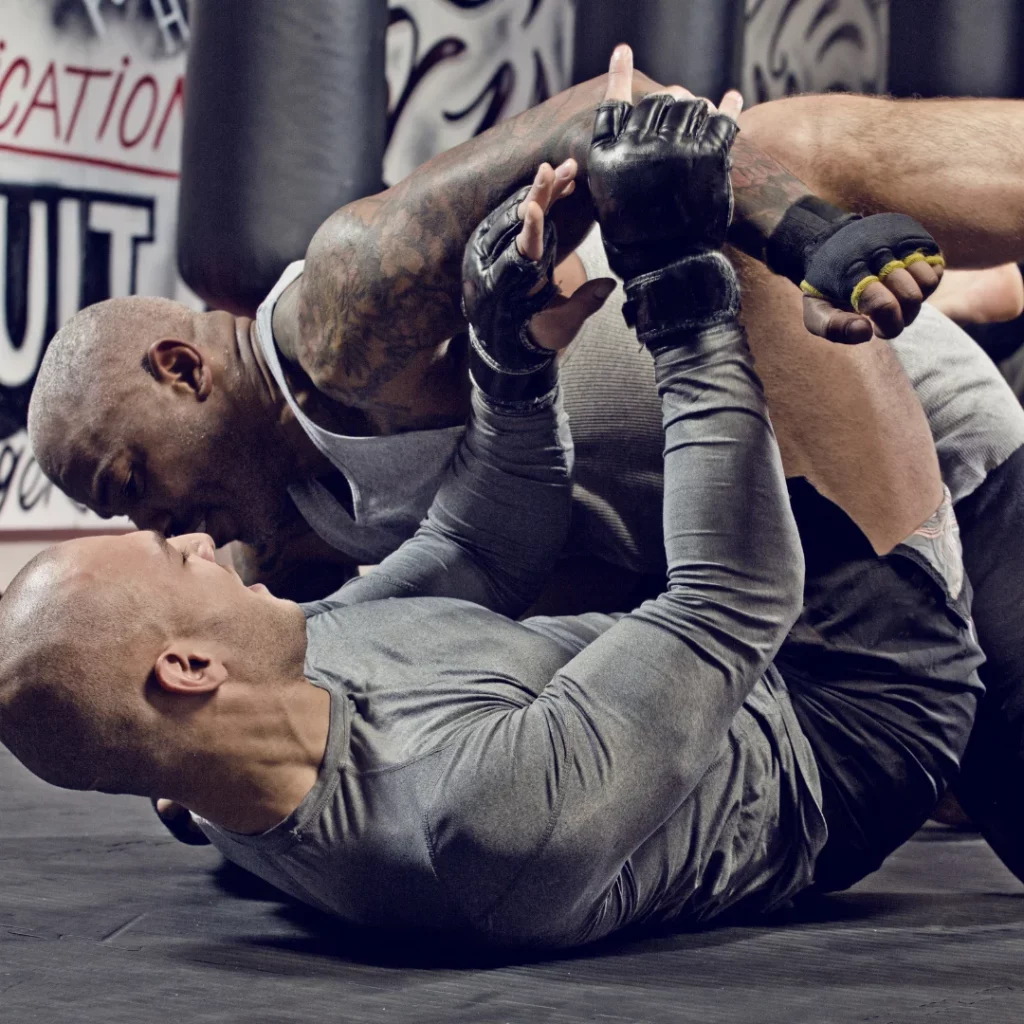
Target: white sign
(91,96)
(91,105)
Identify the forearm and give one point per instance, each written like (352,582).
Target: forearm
(499,519)
(382,280)
(956,165)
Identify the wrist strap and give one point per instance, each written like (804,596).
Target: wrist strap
(695,292)
(518,388)
(804,226)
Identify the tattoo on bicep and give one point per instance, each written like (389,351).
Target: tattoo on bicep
(364,316)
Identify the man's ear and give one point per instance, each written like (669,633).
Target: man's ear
(184,670)
(181,365)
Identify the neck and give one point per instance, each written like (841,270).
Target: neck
(300,454)
(256,755)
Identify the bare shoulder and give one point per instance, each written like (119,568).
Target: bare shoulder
(367,308)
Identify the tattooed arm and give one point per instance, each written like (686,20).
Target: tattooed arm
(380,292)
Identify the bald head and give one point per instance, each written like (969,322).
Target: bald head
(77,641)
(96,360)
(146,409)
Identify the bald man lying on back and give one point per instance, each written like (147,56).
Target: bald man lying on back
(316,414)
(549,782)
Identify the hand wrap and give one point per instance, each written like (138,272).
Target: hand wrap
(659,175)
(834,255)
(501,292)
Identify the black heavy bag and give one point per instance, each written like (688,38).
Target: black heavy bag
(698,43)
(955,48)
(285,116)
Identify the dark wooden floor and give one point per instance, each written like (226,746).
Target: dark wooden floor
(104,918)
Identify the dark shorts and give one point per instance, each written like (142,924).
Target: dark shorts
(882,671)
(991,786)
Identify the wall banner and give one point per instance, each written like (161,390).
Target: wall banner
(90,130)
(793,46)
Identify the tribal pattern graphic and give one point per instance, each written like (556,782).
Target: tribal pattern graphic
(794,46)
(455,67)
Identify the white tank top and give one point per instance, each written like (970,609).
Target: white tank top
(392,478)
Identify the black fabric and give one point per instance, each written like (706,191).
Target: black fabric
(691,294)
(804,226)
(659,178)
(501,292)
(881,669)
(861,248)
(991,786)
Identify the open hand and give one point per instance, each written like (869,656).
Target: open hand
(555,326)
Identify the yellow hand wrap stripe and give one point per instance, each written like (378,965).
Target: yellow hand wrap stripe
(858,289)
(890,267)
(936,260)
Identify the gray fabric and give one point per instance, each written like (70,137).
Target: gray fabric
(548,782)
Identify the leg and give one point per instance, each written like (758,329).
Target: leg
(881,668)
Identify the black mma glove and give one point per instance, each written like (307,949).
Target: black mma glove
(659,176)
(834,255)
(501,292)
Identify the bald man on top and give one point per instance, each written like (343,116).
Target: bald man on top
(324,424)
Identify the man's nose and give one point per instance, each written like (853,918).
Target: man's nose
(200,544)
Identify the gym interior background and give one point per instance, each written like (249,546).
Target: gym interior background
(111,183)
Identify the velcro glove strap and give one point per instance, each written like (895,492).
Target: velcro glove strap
(533,381)
(694,293)
(834,255)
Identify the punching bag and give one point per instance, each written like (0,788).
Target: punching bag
(697,44)
(285,121)
(955,48)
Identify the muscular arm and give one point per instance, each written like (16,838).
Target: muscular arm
(380,293)
(871,154)
(846,417)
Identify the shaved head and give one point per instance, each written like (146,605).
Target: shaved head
(93,362)
(92,630)
(147,409)
(75,651)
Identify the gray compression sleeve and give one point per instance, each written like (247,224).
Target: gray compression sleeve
(498,521)
(621,736)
